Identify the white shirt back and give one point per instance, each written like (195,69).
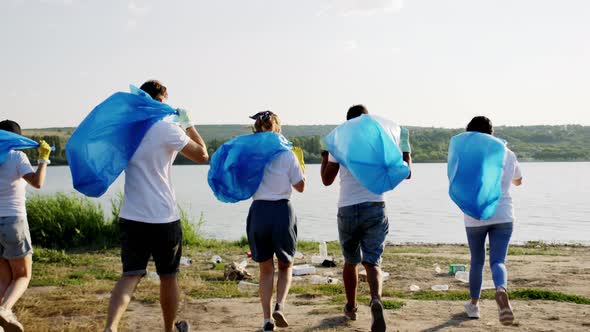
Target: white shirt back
(505,211)
(12,184)
(351,191)
(280,174)
(149,196)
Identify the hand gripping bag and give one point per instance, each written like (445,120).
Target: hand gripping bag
(368,147)
(237,166)
(11,141)
(102,145)
(474,168)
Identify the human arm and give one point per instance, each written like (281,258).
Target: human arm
(328,169)
(517,176)
(195,149)
(37,179)
(517,182)
(406,149)
(296,170)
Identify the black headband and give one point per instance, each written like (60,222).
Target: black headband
(265,115)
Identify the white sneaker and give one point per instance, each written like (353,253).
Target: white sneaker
(9,322)
(472,310)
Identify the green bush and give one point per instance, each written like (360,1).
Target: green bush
(63,221)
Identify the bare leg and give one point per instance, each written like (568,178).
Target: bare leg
(21,269)
(169,298)
(120,298)
(267,271)
(284,281)
(350,277)
(375,280)
(5,277)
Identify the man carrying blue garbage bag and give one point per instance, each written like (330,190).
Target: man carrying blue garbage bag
(372,156)
(149,218)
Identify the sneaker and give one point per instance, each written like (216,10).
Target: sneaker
(9,322)
(350,313)
(279,317)
(182,326)
(268,327)
(505,313)
(472,310)
(378,323)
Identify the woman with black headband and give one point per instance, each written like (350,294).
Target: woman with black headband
(272,224)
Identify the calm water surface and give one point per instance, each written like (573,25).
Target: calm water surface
(552,205)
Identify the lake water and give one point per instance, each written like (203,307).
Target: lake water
(552,205)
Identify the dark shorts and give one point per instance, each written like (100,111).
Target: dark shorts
(15,237)
(272,229)
(140,240)
(362,229)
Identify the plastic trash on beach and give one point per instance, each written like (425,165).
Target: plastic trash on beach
(247,287)
(12,141)
(462,276)
(474,169)
(363,275)
(316,279)
(414,288)
(437,269)
(237,166)
(243,264)
(454,268)
(368,147)
(186,261)
(298,255)
(440,288)
(153,277)
(102,145)
(323,249)
(303,269)
(488,284)
(216,259)
(321,259)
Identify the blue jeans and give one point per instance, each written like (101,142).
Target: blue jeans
(499,235)
(362,229)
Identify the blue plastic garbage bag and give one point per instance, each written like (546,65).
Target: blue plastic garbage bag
(102,145)
(237,166)
(474,168)
(11,141)
(368,147)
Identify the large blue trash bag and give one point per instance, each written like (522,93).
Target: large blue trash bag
(102,145)
(368,147)
(11,141)
(474,168)
(237,167)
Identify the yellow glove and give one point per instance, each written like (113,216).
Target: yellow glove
(299,154)
(44,150)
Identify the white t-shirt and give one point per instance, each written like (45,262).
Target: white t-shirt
(149,196)
(504,212)
(12,184)
(351,191)
(280,174)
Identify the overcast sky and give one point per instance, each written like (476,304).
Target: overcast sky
(418,62)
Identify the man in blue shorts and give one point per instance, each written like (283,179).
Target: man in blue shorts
(362,228)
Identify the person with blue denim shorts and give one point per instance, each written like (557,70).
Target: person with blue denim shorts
(498,229)
(272,224)
(16,250)
(149,219)
(362,228)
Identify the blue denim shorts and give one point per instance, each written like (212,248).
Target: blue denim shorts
(15,237)
(362,229)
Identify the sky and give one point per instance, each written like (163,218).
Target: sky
(434,63)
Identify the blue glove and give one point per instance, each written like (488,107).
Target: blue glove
(404,140)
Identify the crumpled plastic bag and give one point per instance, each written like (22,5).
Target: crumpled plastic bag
(12,141)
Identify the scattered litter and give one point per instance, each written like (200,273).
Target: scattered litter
(454,268)
(247,287)
(323,249)
(329,274)
(249,254)
(437,268)
(185,261)
(363,275)
(243,264)
(414,288)
(216,259)
(321,259)
(488,284)
(298,255)
(235,271)
(316,279)
(440,287)
(462,276)
(153,277)
(303,269)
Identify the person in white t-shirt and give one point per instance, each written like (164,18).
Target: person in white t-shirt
(149,218)
(498,229)
(362,228)
(272,224)
(15,238)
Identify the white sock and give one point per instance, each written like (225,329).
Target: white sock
(267,321)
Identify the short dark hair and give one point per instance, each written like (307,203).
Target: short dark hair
(481,124)
(11,126)
(155,89)
(356,111)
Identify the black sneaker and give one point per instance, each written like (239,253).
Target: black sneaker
(268,327)
(378,324)
(182,326)
(279,316)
